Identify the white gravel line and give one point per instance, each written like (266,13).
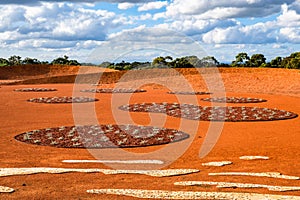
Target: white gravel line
(263,174)
(238,185)
(254,158)
(217,164)
(164,194)
(4,189)
(156,173)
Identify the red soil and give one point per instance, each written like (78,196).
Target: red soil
(277,139)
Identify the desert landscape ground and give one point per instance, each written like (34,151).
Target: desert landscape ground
(34,167)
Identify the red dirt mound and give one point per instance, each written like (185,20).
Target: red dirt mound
(22,72)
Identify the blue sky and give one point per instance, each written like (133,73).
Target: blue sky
(97,31)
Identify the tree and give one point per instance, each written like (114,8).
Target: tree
(257,60)
(3,62)
(292,62)
(64,61)
(73,62)
(276,62)
(209,61)
(30,61)
(105,64)
(14,60)
(194,61)
(168,58)
(60,60)
(159,61)
(241,60)
(180,63)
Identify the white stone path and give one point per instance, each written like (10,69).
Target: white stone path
(260,174)
(254,158)
(164,194)
(4,189)
(156,173)
(217,164)
(238,185)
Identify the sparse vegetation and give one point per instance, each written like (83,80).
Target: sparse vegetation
(241,60)
(64,61)
(17,60)
(259,60)
(126,65)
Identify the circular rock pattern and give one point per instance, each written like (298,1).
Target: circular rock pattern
(189,93)
(234,100)
(109,90)
(62,100)
(193,112)
(101,136)
(35,90)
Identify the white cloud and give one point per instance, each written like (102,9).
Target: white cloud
(222,9)
(286,28)
(290,34)
(11,17)
(253,34)
(197,26)
(125,6)
(296,6)
(157,16)
(152,5)
(129,43)
(289,17)
(146,16)
(56,23)
(34,2)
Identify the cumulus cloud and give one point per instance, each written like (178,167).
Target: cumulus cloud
(255,34)
(296,6)
(285,28)
(160,15)
(156,41)
(125,6)
(221,9)
(62,24)
(290,34)
(23,2)
(193,27)
(289,17)
(215,22)
(152,5)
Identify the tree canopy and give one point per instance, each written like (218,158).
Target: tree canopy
(241,60)
(17,60)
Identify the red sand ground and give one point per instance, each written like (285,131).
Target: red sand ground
(280,140)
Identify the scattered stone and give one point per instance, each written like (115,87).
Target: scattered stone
(217,164)
(254,158)
(238,185)
(189,93)
(234,100)
(109,90)
(102,136)
(4,189)
(217,113)
(165,194)
(263,174)
(35,90)
(62,100)
(155,173)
